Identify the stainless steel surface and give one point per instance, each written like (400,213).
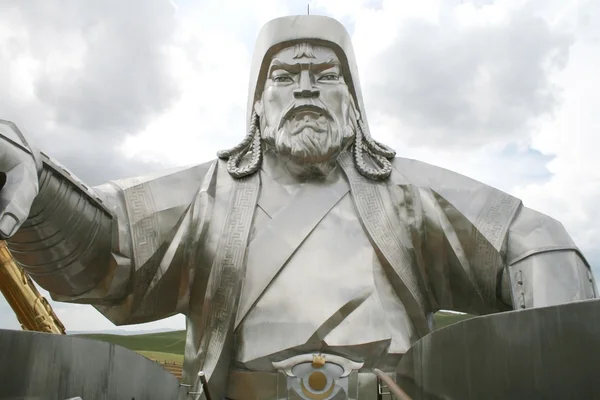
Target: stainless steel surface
(47,366)
(285,232)
(269,257)
(69,219)
(19,165)
(542,353)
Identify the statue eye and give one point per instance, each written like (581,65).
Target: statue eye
(282,79)
(329,77)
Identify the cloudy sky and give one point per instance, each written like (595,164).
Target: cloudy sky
(506,92)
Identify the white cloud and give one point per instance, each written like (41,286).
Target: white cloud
(213,90)
(573,192)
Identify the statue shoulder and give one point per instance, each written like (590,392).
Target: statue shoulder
(185,175)
(472,198)
(171,189)
(433,177)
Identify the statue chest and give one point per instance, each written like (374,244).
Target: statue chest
(332,293)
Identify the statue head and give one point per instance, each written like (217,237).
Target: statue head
(304,102)
(306,113)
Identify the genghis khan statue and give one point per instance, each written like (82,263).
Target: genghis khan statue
(305,256)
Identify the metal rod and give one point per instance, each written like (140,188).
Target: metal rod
(391,385)
(204,384)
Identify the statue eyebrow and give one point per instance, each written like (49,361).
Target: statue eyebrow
(277,64)
(331,63)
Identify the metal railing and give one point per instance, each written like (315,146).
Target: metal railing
(385,382)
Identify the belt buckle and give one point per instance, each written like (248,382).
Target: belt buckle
(319,376)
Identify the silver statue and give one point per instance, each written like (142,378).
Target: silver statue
(305,256)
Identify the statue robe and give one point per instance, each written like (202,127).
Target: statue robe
(346,288)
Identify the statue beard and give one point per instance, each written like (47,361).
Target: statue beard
(311,144)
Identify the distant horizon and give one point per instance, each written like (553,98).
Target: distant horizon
(124,332)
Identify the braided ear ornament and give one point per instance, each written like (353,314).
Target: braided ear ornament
(235,155)
(378,152)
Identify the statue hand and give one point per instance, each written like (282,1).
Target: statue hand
(19,182)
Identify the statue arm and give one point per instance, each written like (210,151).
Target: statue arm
(485,252)
(65,242)
(474,269)
(543,265)
(117,246)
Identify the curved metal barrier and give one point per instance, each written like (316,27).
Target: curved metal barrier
(36,365)
(543,353)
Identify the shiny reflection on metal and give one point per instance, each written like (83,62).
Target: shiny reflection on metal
(49,366)
(284,234)
(357,274)
(542,353)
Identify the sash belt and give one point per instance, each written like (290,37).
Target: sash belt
(256,385)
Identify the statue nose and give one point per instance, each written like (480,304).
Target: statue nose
(306,89)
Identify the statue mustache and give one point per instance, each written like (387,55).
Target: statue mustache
(305,105)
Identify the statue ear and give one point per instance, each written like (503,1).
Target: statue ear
(258,108)
(354,108)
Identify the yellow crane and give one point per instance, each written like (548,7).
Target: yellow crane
(32,310)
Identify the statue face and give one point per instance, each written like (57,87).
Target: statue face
(306,112)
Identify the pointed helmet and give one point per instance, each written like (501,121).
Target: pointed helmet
(319,30)
(287,31)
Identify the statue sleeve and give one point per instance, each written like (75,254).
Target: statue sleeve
(118,246)
(485,252)
(544,267)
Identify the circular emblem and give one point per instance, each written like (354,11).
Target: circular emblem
(317,381)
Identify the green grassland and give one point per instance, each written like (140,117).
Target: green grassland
(168,358)
(164,347)
(169,346)
(443,319)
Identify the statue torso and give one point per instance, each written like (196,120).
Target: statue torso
(332,295)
